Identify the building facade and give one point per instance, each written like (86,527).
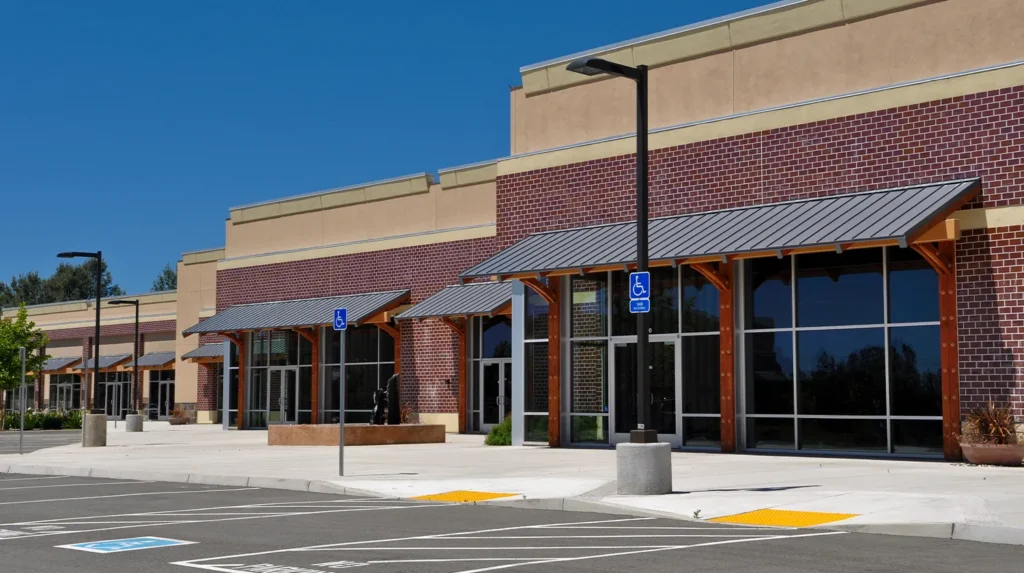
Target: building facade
(835,242)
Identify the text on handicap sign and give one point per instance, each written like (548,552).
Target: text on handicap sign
(340,318)
(130,544)
(640,292)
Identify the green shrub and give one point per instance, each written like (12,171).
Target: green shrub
(71,420)
(44,420)
(52,420)
(500,435)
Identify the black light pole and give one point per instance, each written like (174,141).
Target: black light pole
(98,255)
(135,372)
(643,434)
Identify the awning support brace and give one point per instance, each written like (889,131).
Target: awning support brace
(937,260)
(714,276)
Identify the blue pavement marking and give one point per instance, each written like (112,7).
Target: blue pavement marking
(130,544)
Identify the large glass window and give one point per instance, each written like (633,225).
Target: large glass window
(65,392)
(369,363)
(589,392)
(535,357)
(843,353)
(589,305)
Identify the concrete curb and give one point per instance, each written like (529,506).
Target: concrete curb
(954,531)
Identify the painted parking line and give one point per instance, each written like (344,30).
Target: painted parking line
(490,549)
(144,493)
(128,544)
(89,484)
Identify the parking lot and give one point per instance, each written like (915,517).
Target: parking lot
(37,440)
(56,523)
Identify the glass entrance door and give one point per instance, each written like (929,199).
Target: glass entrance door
(282,395)
(115,399)
(495,392)
(165,399)
(664,412)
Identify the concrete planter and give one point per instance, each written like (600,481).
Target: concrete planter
(355,435)
(133,423)
(177,421)
(994,454)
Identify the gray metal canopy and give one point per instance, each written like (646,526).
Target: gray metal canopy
(463,300)
(154,359)
(52,364)
(206,351)
(896,215)
(295,313)
(105,361)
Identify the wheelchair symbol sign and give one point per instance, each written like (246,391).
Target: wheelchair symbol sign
(640,292)
(340,318)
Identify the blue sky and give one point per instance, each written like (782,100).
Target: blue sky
(132,127)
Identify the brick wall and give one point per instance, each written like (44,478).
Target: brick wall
(978,135)
(207,383)
(127,329)
(429,349)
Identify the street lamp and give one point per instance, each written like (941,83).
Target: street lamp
(135,373)
(98,255)
(588,66)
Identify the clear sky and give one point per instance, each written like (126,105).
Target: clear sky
(133,126)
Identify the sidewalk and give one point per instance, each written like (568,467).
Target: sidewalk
(932,499)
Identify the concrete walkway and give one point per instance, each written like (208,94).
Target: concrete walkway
(932,499)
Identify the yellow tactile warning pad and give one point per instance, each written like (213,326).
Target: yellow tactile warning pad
(464,496)
(783,518)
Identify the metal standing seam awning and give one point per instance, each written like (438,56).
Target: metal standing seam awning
(288,314)
(205,353)
(154,360)
(473,299)
(903,216)
(106,362)
(62,364)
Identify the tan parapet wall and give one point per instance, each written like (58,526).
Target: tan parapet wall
(58,316)
(197,299)
(877,43)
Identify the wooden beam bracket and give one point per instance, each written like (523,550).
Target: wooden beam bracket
(389,328)
(714,276)
(452,324)
(543,290)
(937,260)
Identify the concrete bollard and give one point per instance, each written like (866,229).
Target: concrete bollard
(95,431)
(133,423)
(644,469)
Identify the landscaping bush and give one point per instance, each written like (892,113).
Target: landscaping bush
(44,420)
(71,420)
(500,435)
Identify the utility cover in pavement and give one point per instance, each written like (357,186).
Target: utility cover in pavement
(130,544)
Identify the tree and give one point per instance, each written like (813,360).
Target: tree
(167,280)
(14,334)
(28,289)
(68,282)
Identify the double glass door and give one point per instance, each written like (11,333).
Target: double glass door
(665,390)
(116,398)
(165,399)
(495,392)
(282,395)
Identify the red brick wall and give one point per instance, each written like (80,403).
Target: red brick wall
(978,135)
(207,378)
(428,348)
(127,329)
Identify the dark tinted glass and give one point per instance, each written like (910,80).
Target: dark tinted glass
(664,315)
(770,433)
(361,344)
(700,303)
(588,429)
(332,346)
(589,306)
(331,382)
(305,351)
(838,289)
(305,388)
(770,373)
(842,372)
(917,436)
(702,432)
(913,287)
(258,354)
(360,382)
(387,346)
(847,435)
(536,315)
(232,389)
(385,374)
(535,357)
(536,428)
(497,337)
(701,393)
(283,348)
(769,298)
(915,381)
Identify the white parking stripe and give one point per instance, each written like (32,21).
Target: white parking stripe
(4,480)
(125,495)
(73,485)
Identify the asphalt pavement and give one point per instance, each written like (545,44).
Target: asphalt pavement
(37,440)
(87,525)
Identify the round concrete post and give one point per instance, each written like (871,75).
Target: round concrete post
(133,423)
(644,469)
(95,430)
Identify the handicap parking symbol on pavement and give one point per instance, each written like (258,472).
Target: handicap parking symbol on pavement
(130,544)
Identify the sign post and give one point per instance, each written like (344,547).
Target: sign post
(340,324)
(21,400)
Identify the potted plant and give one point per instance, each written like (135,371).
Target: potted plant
(178,417)
(990,437)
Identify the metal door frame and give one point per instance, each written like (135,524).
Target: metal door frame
(160,385)
(504,407)
(676,439)
(282,410)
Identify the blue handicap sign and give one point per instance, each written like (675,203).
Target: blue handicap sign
(639,285)
(340,318)
(640,305)
(129,544)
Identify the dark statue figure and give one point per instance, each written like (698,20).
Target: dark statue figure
(385,404)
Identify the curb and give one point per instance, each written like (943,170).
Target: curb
(953,531)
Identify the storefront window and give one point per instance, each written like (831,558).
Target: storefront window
(589,392)
(700,302)
(65,392)
(589,305)
(369,363)
(839,289)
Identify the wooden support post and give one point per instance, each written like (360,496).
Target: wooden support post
(727,364)
(460,332)
(554,364)
(950,355)
(239,341)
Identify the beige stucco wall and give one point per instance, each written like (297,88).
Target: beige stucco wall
(154,307)
(160,342)
(922,42)
(62,348)
(197,298)
(362,225)
(110,345)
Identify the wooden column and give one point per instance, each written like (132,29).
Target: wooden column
(950,356)
(238,339)
(550,293)
(313,336)
(721,276)
(460,333)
